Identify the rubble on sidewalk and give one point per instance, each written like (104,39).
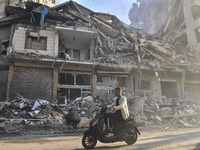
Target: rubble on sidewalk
(46,117)
(23,114)
(171,112)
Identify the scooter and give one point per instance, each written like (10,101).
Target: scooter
(123,131)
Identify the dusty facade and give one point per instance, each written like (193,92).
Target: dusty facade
(77,52)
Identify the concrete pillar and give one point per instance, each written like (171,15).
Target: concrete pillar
(10,76)
(92,47)
(55,82)
(94,81)
(182,85)
(56,44)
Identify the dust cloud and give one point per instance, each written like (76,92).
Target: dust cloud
(149,15)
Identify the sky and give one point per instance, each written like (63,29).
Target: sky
(119,8)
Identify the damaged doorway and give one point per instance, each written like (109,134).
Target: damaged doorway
(4,46)
(73,85)
(169,89)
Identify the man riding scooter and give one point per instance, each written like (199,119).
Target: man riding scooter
(121,114)
(122,125)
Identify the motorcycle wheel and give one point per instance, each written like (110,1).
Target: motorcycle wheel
(89,141)
(132,138)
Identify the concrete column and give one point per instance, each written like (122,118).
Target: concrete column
(56,44)
(92,47)
(10,76)
(182,86)
(55,82)
(94,81)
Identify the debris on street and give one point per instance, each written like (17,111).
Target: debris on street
(171,112)
(22,114)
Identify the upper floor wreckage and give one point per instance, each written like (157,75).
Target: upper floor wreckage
(83,48)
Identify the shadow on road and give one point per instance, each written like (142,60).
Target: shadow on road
(169,139)
(106,147)
(164,141)
(197,147)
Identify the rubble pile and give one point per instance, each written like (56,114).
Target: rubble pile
(86,106)
(34,116)
(44,117)
(38,116)
(135,105)
(171,112)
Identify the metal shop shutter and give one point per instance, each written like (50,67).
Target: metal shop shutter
(32,83)
(3,84)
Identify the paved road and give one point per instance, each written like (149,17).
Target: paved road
(181,139)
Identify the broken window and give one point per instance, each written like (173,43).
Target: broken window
(36,43)
(121,81)
(106,84)
(73,53)
(146,84)
(73,85)
(66,78)
(76,54)
(74,79)
(144,88)
(74,93)
(169,89)
(4,46)
(83,79)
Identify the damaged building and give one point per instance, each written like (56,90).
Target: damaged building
(77,52)
(178,26)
